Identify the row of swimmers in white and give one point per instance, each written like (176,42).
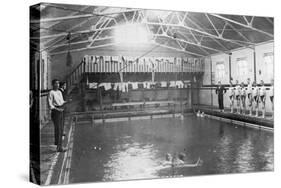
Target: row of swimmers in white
(253,94)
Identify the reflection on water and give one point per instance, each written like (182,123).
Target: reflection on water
(244,156)
(131,162)
(224,148)
(137,149)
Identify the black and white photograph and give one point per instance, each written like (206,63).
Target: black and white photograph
(120,93)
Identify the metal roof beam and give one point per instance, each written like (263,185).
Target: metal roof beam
(60,18)
(180,50)
(211,22)
(149,23)
(74,27)
(79,16)
(243,25)
(214,37)
(72,14)
(248,23)
(198,42)
(81,49)
(125,17)
(73,33)
(199,31)
(269,20)
(243,36)
(195,44)
(80,42)
(96,35)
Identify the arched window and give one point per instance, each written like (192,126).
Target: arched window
(242,66)
(220,71)
(268,61)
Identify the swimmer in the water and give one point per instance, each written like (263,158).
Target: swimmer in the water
(178,160)
(202,114)
(168,157)
(181,156)
(198,113)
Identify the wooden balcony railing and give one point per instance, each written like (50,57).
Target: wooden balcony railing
(115,64)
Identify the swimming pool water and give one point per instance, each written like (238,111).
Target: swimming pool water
(136,149)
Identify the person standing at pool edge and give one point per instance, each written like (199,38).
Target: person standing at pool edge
(250,96)
(256,97)
(63,92)
(237,96)
(243,98)
(63,89)
(56,102)
(271,96)
(231,96)
(220,91)
(262,97)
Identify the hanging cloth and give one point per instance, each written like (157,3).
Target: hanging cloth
(134,85)
(93,85)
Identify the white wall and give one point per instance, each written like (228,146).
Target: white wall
(205,95)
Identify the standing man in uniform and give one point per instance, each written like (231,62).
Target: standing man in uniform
(56,102)
(220,91)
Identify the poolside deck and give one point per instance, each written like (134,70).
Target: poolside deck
(268,121)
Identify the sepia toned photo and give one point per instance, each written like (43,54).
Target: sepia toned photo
(122,93)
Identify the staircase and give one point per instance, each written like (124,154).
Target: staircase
(75,77)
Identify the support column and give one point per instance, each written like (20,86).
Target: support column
(82,90)
(211,69)
(181,90)
(255,66)
(229,66)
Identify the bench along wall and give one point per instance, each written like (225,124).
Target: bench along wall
(256,64)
